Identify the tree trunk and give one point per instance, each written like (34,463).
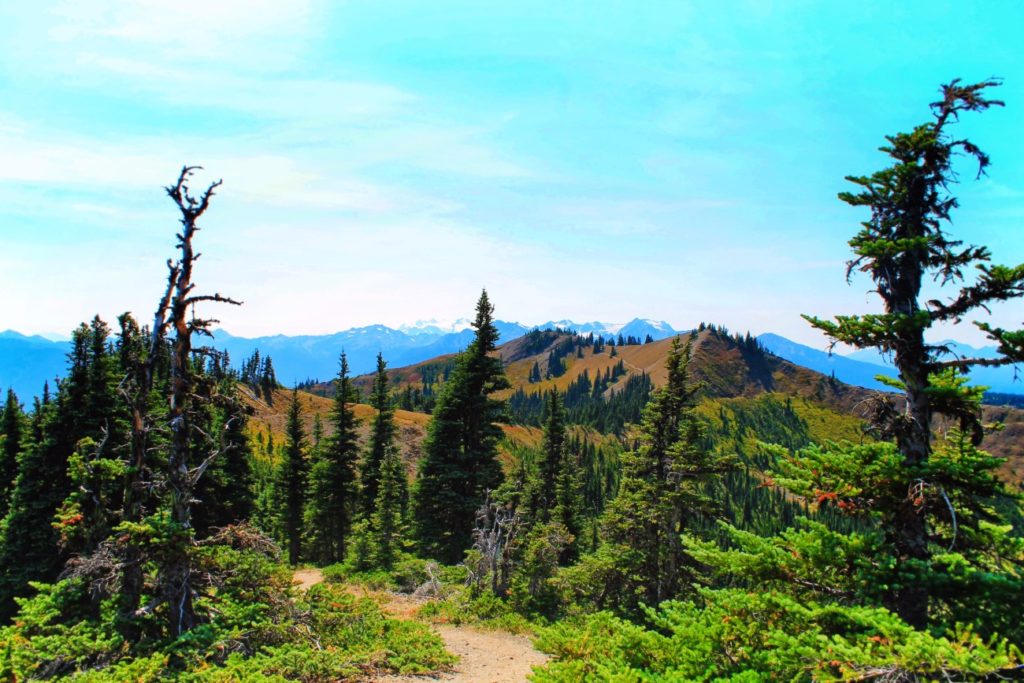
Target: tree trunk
(913,437)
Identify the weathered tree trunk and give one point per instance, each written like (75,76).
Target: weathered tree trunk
(176,571)
(913,436)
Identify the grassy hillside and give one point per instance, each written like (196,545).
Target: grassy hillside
(268,420)
(769,398)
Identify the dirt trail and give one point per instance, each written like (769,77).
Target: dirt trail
(484,656)
(305,578)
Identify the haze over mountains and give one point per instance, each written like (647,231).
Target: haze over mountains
(28,361)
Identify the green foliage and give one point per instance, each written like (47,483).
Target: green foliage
(88,513)
(553,487)
(903,242)
(733,635)
(290,483)
(459,464)
(461,605)
(387,528)
(226,490)
(532,590)
(603,403)
(666,487)
(260,631)
(13,425)
(82,408)
(331,499)
(382,434)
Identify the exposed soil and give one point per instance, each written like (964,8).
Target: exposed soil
(304,578)
(484,656)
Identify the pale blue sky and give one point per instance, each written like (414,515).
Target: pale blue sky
(384,161)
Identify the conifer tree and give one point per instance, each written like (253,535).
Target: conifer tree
(29,543)
(540,495)
(535,373)
(318,432)
(226,490)
(387,521)
(664,491)
(12,422)
(902,243)
(459,465)
(382,433)
(332,480)
(291,482)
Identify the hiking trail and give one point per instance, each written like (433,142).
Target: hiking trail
(484,656)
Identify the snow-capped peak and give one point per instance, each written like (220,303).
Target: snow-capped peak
(435,326)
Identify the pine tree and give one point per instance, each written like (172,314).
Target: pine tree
(29,544)
(664,491)
(387,521)
(382,433)
(12,422)
(901,244)
(542,484)
(226,490)
(318,432)
(291,482)
(535,373)
(332,480)
(460,465)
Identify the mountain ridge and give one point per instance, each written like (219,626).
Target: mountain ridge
(26,361)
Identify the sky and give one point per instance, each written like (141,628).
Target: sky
(384,161)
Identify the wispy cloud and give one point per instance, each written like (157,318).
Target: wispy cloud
(191,31)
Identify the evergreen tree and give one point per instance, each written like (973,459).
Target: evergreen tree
(291,482)
(459,465)
(387,521)
(903,242)
(13,423)
(665,489)
(226,491)
(332,480)
(539,500)
(382,433)
(535,373)
(318,432)
(29,542)
(267,380)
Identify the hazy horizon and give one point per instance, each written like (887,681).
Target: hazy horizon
(383,163)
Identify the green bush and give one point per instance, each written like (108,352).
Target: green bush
(733,635)
(259,630)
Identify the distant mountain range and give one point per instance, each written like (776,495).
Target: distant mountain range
(861,367)
(27,361)
(316,357)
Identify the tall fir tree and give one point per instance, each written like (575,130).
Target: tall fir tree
(387,525)
(460,465)
(902,243)
(29,543)
(291,482)
(543,482)
(226,492)
(12,424)
(664,491)
(382,433)
(332,480)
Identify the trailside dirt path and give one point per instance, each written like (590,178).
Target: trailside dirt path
(305,578)
(484,656)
